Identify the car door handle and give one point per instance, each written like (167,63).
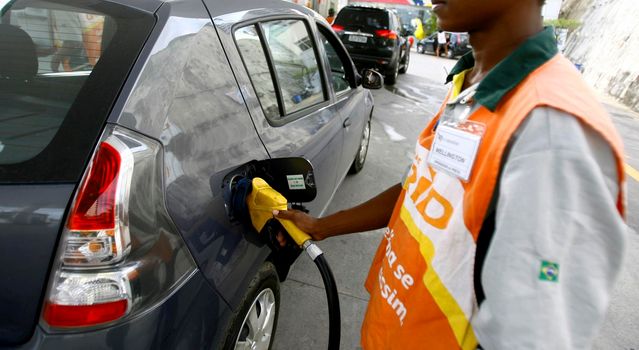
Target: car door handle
(347,122)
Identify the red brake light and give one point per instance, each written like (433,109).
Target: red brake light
(95,205)
(99,276)
(386,33)
(337,27)
(84,315)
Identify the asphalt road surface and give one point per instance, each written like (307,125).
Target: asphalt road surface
(400,114)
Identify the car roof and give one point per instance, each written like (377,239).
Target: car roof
(220,7)
(367,8)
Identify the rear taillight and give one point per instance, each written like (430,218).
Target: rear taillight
(386,33)
(96,235)
(97,228)
(337,28)
(100,275)
(80,315)
(84,299)
(95,207)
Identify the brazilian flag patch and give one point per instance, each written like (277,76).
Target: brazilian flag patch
(549,271)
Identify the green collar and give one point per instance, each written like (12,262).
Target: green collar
(508,73)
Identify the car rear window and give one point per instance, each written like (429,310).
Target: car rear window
(61,67)
(363,18)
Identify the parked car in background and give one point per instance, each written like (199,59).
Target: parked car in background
(373,37)
(458,44)
(119,121)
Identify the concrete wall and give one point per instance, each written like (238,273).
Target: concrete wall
(574,8)
(551,9)
(607,46)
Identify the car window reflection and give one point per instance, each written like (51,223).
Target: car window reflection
(254,57)
(295,64)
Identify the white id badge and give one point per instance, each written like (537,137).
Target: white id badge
(455,148)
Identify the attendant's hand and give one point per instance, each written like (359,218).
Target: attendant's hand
(303,221)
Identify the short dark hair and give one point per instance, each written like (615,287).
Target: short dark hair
(331,11)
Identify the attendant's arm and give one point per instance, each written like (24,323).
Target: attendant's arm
(371,215)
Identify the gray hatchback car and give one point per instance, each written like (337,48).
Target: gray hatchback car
(118,122)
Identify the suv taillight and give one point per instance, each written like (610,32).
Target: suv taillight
(106,268)
(337,28)
(386,33)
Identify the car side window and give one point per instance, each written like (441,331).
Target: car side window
(338,73)
(248,41)
(286,76)
(295,64)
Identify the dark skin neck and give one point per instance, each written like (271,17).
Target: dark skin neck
(495,41)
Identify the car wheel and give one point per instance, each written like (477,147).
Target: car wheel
(404,68)
(255,321)
(451,54)
(362,151)
(391,77)
(420,49)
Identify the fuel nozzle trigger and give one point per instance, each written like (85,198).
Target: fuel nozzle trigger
(261,202)
(285,255)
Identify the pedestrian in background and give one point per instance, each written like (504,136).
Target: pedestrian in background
(331,16)
(442,43)
(507,232)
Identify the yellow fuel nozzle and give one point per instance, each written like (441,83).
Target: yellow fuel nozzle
(261,202)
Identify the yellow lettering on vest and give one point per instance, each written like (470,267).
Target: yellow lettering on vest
(412,176)
(424,185)
(442,221)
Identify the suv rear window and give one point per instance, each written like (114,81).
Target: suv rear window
(61,67)
(363,18)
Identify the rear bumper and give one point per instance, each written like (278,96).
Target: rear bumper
(194,317)
(380,63)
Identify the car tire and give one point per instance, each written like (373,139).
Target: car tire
(420,49)
(451,53)
(404,67)
(391,77)
(255,320)
(362,150)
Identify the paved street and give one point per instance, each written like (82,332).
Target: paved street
(400,113)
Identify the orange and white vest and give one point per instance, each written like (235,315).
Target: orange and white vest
(421,280)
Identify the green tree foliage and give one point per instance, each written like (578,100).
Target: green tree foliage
(570,24)
(430,26)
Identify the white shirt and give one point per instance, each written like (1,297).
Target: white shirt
(441,38)
(557,203)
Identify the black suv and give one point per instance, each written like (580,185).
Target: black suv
(374,39)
